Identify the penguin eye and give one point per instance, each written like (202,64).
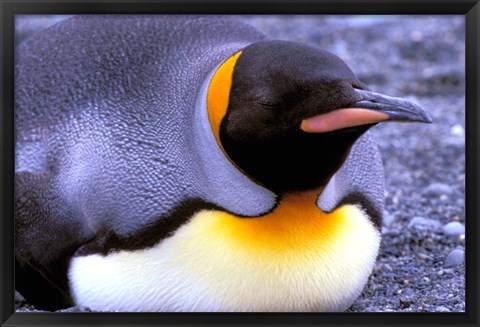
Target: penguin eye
(268,105)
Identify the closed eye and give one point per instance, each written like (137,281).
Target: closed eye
(268,105)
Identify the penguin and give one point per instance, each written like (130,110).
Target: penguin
(191,164)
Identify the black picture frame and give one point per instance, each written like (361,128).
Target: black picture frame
(469,8)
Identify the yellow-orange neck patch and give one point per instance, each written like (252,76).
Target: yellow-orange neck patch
(219,93)
(296,223)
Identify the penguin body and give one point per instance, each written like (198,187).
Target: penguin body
(135,188)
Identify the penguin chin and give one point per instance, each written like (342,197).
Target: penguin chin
(355,131)
(295,161)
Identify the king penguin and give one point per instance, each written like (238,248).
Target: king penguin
(187,163)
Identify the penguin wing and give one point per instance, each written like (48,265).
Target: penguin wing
(47,232)
(360,180)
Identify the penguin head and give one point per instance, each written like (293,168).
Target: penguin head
(287,113)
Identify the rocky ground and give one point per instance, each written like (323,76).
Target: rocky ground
(420,267)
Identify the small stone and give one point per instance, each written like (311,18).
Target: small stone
(455,258)
(420,221)
(442,309)
(76,309)
(19,297)
(408,292)
(404,304)
(416,36)
(388,218)
(454,228)
(438,189)
(426,279)
(457,130)
(424,256)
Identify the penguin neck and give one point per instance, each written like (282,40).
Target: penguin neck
(291,203)
(213,166)
(294,211)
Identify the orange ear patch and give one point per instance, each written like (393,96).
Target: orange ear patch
(219,93)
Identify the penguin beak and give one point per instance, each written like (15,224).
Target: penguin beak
(397,109)
(373,108)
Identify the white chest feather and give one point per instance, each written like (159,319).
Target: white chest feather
(219,262)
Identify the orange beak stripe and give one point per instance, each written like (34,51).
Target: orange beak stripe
(341,118)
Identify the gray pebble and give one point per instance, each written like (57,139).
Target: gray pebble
(408,292)
(438,189)
(388,218)
(442,309)
(19,297)
(458,142)
(76,309)
(420,221)
(454,258)
(457,130)
(454,228)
